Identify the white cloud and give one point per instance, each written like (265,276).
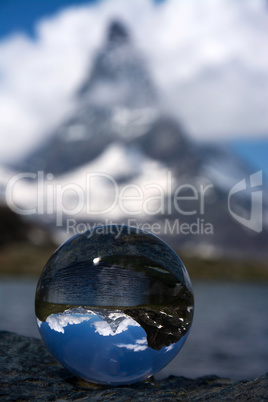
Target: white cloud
(181,39)
(58,322)
(170,347)
(39,77)
(139,346)
(132,346)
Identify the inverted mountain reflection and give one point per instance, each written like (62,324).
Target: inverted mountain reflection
(118,344)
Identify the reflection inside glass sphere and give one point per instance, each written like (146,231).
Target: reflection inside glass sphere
(114,305)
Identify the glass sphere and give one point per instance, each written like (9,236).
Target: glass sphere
(114,305)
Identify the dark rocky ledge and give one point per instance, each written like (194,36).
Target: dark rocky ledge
(28,372)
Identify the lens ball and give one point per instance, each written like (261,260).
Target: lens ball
(114,304)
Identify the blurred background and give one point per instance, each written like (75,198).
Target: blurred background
(164,102)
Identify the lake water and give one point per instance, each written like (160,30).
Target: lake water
(229,336)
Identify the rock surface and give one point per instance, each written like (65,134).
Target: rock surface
(29,372)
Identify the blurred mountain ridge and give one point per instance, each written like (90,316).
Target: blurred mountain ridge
(119,112)
(116,102)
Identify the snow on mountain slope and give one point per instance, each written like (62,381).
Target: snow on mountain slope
(119,171)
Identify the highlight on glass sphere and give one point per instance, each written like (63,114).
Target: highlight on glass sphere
(114,305)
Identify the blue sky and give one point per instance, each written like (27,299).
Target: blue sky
(21,15)
(53,46)
(255,151)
